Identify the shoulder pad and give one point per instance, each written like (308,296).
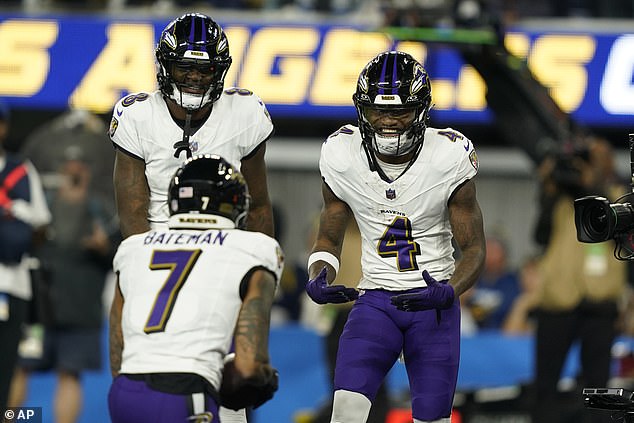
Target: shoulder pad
(133,98)
(267,248)
(135,101)
(337,150)
(451,146)
(344,130)
(243,92)
(243,102)
(453,138)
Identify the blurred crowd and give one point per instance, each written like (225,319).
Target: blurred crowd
(395,12)
(167,5)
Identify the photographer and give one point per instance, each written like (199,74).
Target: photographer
(582,283)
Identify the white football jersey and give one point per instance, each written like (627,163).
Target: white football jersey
(181,296)
(404,224)
(142,127)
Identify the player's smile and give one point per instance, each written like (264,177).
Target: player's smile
(389,123)
(195,84)
(193,79)
(389,132)
(193,89)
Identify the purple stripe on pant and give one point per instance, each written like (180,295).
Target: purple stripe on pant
(373,338)
(132,401)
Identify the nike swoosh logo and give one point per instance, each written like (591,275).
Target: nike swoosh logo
(466,146)
(119,112)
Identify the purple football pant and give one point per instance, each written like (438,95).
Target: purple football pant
(132,401)
(373,338)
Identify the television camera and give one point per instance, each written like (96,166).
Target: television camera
(598,220)
(618,400)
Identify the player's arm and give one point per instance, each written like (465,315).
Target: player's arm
(249,380)
(115,332)
(468,231)
(333,221)
(251,338)
(132,194)
(260,212)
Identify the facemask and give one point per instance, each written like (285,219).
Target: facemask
(397,145)
(190,101)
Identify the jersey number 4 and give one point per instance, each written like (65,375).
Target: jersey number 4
(397,241)
(180,263)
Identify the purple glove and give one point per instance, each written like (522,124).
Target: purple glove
(319,291)
(436,295)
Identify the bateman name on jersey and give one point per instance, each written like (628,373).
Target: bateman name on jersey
(210,237)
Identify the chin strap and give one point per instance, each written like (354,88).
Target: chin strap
(183,145)
(374,165)
(419,147)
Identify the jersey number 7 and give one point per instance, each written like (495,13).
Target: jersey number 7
(180,263)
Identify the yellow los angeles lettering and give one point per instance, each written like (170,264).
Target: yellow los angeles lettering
(558,62)
(470,90)
(238,37)
(290,48)
(24,58)
(343,54)
(125,64)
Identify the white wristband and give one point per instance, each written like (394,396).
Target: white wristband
(324,256)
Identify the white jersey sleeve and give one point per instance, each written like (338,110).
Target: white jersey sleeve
(181,292)
(250,117)
(142,127)
(458,151)
(130,115)
(404,224)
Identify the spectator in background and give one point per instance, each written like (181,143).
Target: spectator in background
(77,256)
(582,284)
(73,129)
(492,297)
(515,10)
(23,214)
(410,13)
(520,319)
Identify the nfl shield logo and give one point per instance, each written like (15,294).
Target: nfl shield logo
(390,194)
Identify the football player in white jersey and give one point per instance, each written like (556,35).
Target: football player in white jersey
(411,190)
(184,294)
(191,113)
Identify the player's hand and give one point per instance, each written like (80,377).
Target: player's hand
(319,291)
(436,295)
(238,392)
